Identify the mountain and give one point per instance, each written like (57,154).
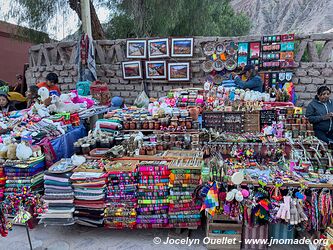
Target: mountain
(283,16)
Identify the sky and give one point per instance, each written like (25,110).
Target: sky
(60,26)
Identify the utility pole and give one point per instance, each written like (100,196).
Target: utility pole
(86,19)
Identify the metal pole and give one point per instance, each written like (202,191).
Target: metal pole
(26,227)
(86,18)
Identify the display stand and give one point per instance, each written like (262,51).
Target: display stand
(216,228)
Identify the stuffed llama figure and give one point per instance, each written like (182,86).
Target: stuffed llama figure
(59,107)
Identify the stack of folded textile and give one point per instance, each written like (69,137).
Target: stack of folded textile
(2,181)
(59,195)
(89,192)
(24,174)
(152,193)
(121,195)
(184,211)
(108,125)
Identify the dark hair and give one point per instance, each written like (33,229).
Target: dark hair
(52,77)
(33,88)
(322,89)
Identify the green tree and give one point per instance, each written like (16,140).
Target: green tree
(140,18)
(37,13)
(176,18)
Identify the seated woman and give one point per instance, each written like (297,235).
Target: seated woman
(320,114)
(253,82)
(5,104)
(32,95)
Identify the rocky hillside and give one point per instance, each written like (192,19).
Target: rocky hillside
(281,16)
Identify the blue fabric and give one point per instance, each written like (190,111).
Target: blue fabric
(64,145)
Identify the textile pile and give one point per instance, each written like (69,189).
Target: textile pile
(152,193)
(89,192)
(121,195)
(59,196)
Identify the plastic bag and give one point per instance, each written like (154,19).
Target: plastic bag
(142,100)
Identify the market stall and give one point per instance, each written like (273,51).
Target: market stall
(242,163)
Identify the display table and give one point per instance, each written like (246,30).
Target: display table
(63,145)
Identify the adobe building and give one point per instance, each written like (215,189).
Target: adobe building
(15,42)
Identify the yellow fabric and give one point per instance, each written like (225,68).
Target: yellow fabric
(15,96)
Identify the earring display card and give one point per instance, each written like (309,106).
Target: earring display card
(278,52)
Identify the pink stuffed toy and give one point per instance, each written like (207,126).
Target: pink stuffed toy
(77,99)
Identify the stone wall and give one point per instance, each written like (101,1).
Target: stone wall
(60,58)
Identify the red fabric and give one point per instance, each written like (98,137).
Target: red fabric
(50,155)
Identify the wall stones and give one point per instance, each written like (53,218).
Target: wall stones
(307,78)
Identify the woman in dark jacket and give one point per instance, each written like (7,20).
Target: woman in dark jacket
(320,114)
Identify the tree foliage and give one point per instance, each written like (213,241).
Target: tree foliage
(138,18)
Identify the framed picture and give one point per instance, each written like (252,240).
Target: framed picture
(179,71)
(182,47)
(156,70)
(158,48)
(132,70)
(136,49)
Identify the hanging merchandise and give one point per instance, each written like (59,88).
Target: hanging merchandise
(243,49)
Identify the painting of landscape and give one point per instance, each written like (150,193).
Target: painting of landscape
(182,47)
(132,70)
(156,70)
(179,71)
(158,48)
(136,48)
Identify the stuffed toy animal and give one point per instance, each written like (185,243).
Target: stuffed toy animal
(23,151)
(11,153)
(41,110)
(284,211)
(300,211)
(59,107)
(44,93)
(3,151)
(76,99)
(294,216)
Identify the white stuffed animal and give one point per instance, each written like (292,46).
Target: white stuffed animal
(58,106)
(44,93)
(23,151)
(42,111)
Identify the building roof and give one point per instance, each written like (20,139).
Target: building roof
(22,33)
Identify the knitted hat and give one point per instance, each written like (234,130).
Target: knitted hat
(117,101)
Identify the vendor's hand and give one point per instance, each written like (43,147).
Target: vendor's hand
(328,116)
(233,75)
(47,101)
